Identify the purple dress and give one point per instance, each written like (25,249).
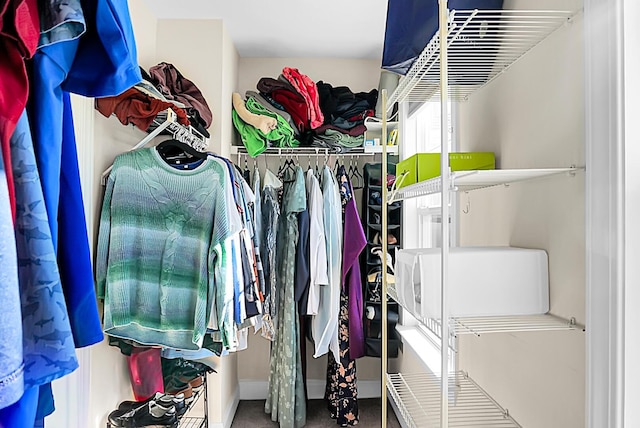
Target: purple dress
(341,390)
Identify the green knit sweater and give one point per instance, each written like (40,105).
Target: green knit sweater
(159,251)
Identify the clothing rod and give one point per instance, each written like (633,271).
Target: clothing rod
(306,151)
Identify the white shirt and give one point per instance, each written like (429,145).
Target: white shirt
(324,325)
(317,244)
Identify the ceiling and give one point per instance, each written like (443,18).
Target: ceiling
(291,28)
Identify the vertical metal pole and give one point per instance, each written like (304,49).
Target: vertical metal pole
(444,172)
(383,235)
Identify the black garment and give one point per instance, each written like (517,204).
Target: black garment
(341,102)
(249,285)
(341,390)
(303,276)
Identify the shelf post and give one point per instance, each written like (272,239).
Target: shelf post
(444,173)
(383,234)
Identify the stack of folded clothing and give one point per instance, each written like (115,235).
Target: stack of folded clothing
(318,114)
(292,100)
(282,95)
(344,113)
(261,126)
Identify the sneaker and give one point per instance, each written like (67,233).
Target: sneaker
(154,416)
(145,414)
(165,400)
(197,383)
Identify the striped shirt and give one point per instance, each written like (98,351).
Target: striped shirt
(159,255)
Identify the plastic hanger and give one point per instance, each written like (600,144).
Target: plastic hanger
(175,152)
(358,175)
(351,172)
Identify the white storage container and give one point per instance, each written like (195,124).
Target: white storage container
(483,281)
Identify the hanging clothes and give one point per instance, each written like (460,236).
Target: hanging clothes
(267,329)
(19,30)
(355,242)
(317,245)
(341,389)
(222,312)
(270,220)
(286,399)
(324,325)
(11,363)
(160,234)
(74,256)
(88,48)
(49,349)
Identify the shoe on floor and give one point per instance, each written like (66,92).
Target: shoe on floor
(155,416)
(165,400)
(151,415)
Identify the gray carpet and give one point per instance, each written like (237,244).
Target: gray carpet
(250,414)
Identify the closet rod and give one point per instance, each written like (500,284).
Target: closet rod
(305,151)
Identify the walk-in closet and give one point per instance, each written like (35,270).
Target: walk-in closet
(383,213)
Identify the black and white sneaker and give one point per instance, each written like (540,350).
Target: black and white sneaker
(155,416)
(165,400)
(149,415)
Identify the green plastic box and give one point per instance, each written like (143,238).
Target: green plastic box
(425,166)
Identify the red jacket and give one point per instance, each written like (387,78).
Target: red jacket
(309,91)
(19,34)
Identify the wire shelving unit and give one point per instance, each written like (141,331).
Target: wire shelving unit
(417,397)
(481,45)
(471,49)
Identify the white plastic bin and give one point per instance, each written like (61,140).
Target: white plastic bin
(483,281)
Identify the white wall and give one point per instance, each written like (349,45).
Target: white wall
(230,70)
(358,75)
(194,46)
(145,28)
(533,117)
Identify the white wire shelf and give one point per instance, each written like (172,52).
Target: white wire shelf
(465,181)
(431,324)
(482,44)
(489,325)
(374,124)
(523,323)
(417,396)
(317,151)
(192,423)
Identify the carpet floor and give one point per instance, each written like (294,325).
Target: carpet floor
(250,414)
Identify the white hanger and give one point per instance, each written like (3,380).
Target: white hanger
(171,123)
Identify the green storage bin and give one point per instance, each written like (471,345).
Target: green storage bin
(425,166)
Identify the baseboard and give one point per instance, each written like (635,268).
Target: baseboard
(369,389)
(230,413)
(258,389)
(253,389)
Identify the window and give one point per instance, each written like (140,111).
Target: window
(422,135)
